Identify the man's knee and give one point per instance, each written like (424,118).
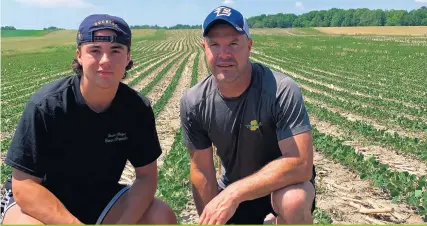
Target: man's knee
(14,215)
(159,213)
(294,203)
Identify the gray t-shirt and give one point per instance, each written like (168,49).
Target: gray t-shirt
(246,129)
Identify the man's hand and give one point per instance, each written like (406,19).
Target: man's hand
(220,209)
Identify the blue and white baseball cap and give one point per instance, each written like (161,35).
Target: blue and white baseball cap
(229,15)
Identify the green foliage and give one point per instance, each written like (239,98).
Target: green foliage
(6,171)
(178,26)
(194,74)
(321,217)
(342,18)
(7,28)
(7,33)
(184,26)
(174,184)
(157,35)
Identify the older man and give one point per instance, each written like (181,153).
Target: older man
(257,120)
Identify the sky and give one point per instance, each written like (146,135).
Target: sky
(39,14)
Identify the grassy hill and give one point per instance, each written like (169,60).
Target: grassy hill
(23,33)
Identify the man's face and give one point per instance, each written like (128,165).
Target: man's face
(104,63)
(227,52)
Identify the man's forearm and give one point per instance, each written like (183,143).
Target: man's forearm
(39,203)
(275,175)
(138,199)
(204,187)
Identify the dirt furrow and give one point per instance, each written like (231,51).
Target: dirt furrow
(395,161)
(203,70)
(167,121)
(337,75)
(350,116)
(337,88)
(189,214)
(353,117)
(341,193)
(152,62)
(153,74)
(397,113)
(161,86)
(128,174)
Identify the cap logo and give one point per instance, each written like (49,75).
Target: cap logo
(222,11)
(99,22)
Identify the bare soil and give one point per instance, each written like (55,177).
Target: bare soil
(168,121)
(341,193)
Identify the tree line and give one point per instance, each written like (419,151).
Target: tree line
(11,28)
(318,18)
(342,18)
(178,26)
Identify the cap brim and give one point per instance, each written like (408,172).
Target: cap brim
(216,20)
(116,29)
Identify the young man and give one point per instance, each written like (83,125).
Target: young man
(257,120)
(75,136)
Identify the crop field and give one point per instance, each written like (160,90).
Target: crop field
(366,96)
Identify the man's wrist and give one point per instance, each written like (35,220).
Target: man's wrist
(235,194)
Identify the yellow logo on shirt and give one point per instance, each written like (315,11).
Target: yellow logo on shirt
(253,125)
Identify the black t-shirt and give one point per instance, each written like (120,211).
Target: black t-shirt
(81,154)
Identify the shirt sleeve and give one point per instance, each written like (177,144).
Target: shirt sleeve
(193,134)
(28,148)
(146,148)
(291,114)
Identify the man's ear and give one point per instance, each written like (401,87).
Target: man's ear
(129,58)
(79,55)
(204,43)
(250,42)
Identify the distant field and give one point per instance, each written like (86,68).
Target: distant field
(23,33)
(51,40)
(386,30)
(285,31)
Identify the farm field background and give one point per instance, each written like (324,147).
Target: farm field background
(366,96)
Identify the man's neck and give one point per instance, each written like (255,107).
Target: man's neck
(236,88)
(97,99)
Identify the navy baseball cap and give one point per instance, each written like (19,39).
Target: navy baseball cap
(96,22)
(229,15)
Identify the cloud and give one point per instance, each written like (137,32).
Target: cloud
(57,3)
(421,1)
(299,5)
(227,2)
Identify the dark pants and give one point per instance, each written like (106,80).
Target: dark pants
(255,211)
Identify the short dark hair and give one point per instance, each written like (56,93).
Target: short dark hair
(78,69)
